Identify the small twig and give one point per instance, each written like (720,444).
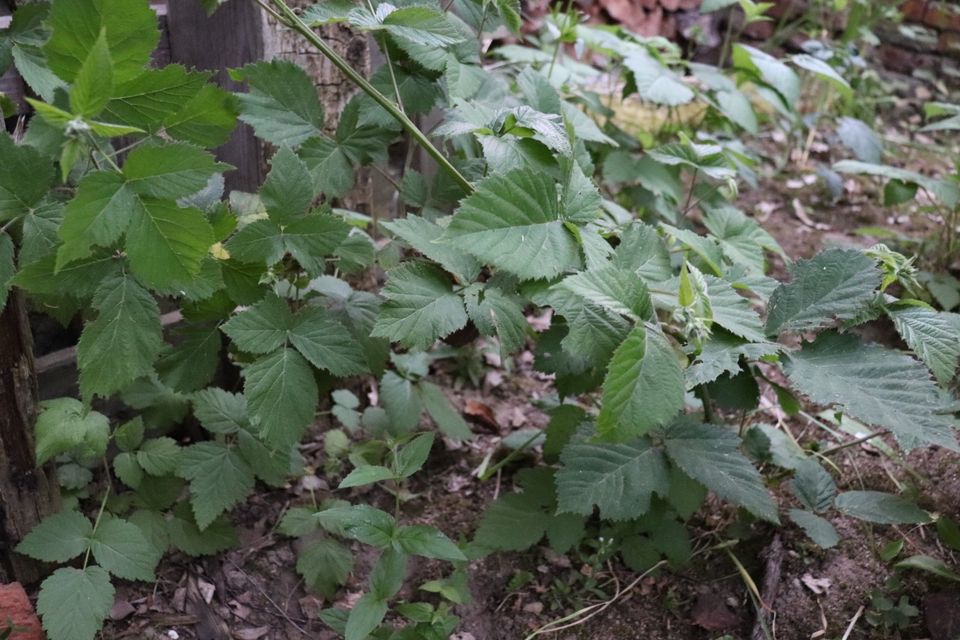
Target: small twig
(771,586)
(592,610)
(263,593)
(853,622)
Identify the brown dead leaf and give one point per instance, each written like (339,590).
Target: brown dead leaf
(480,413)
(251,633)
(710,612)
(121,609)
(819,586)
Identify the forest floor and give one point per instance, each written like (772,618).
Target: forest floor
(254,591)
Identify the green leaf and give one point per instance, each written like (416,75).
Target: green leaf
(25,177)
(218,536)
(949,532)
(219,479)
(171,170)
(930,565)
(287,192)
(366,474)
(655,82)
(732,311)
(366,615)
(121,548)
(93,85)
(422,235)
(420,308)
(312,239)
(282,393)
(643,387)
(328,12)
(360,522)
(64,424)
(947,192)
(413,455)
(325,564)
(74,602)
(58,538)
(612,288)
(443,413)
(129,435)
(512,523)
(710,454)
(496,313)
(875,385)
(146,100)
(857,136)
(192,362)
(742,240)
(122,343)
(721,354)
(282,104)
(417,25)
(208,119)
(836,284)
(401,402)
(261,328)
(97,215)
(131,28)
(513,222)
(330,166)
(881,508)
(933,335)
(326,343)
(769,69)
(126,467)
(618,478)
(426,541)
(166,243)
(813,486)
(159,456)
(824,70)
(818,529)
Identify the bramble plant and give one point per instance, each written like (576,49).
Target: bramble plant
(665,322)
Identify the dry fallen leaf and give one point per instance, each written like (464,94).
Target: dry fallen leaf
(480,413)
(819,586)
(251,633)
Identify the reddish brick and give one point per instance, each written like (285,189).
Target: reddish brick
(943,16)
(949,43)
(15,609)
(914,10)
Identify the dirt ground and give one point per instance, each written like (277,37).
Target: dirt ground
(254,591)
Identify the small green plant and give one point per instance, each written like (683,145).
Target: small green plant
(888,612)
(325,563)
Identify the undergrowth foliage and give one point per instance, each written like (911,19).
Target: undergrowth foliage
(664,320)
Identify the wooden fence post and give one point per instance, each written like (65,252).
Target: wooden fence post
(27,493)
(240,32)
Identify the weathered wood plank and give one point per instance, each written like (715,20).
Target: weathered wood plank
(27,494)
(229,38)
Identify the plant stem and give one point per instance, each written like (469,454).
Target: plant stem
(103,506)
(293,21)
(486,475)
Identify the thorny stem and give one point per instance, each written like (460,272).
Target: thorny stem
(285,15)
